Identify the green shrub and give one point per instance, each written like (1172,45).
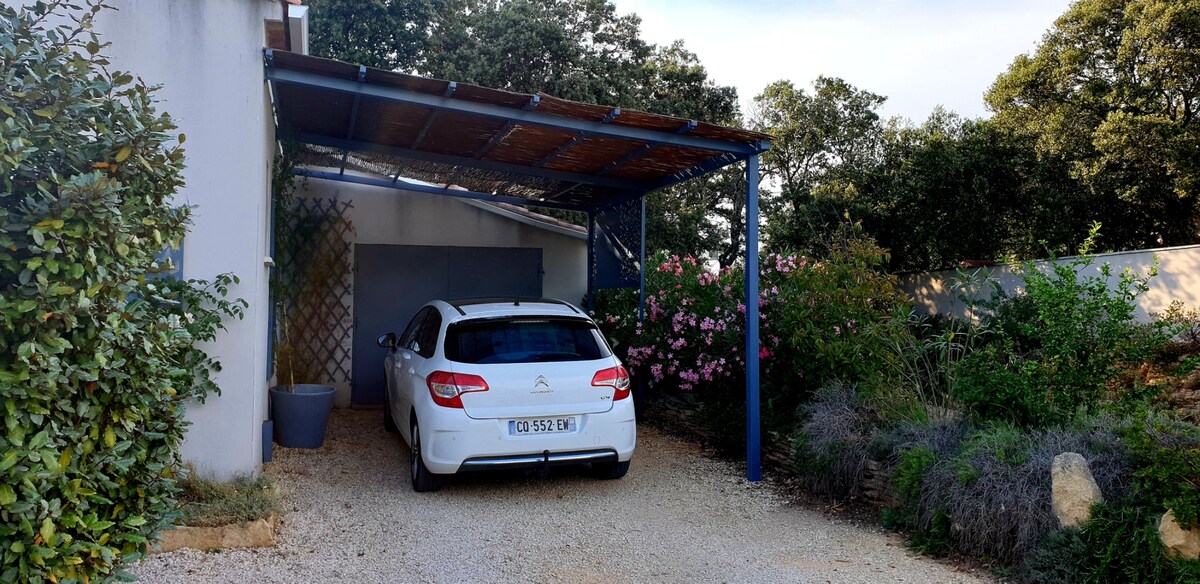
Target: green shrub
(1058,344)
(992,482)
(1120,543)
(96,358)
(1183,320)
(1167,454)
(1059,558)
(933,534)
(832,315)
(910,472)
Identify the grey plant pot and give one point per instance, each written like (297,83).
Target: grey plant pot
(300,416)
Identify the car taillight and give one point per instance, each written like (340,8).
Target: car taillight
(447,388)
(614,377)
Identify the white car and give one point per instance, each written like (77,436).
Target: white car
(507,383)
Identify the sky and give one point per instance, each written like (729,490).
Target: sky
(917,53)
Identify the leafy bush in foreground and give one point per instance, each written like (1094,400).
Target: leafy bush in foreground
(96,359)
(977,489)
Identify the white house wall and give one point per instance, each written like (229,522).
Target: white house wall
(207,55)
(1178,279)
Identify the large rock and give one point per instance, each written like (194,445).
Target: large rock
(1179,542)
(1073,489)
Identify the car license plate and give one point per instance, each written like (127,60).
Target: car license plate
(541,426)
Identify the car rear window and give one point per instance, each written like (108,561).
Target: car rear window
(524,340)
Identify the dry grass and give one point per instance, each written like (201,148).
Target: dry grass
(211,503)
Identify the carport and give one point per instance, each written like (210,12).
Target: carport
(376,127)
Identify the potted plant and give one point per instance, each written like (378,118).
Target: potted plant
(307,312)
(299,410)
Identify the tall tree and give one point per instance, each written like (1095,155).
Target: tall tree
(574,49)
(953,189)
(1113,92)
(385,34)
(824,141)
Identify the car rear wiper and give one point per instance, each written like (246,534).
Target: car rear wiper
(563,356)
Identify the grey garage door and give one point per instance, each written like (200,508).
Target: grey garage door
(391,282)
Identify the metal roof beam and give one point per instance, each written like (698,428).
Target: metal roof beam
(520,116)
(506,129)
(707,166)
(496,138)
(362,76)
(644,150)
(559,151)
(562,192)
(607,119)
(517,169)
(433,116)
(431,190)
(702,168)
(622,161)
(626,159)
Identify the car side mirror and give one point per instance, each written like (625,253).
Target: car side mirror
(387,341)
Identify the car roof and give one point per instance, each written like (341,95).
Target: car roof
(464,308)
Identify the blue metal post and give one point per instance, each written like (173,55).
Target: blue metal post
(591,262)
(753,444)
(642,268)
(639,398)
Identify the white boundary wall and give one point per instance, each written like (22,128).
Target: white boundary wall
(207,55)
(1178,279)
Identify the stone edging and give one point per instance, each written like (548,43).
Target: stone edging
(251,534)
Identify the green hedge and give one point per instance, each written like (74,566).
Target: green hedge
(96,357)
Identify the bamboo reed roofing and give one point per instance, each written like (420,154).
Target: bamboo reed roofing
(536,147)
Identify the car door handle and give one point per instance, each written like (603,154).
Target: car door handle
(412,371)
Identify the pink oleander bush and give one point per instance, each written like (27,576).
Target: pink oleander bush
(818,319)
(693,332)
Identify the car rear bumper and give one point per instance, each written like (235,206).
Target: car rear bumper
(546,458)
(454,442)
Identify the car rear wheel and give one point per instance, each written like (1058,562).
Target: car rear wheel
(423,481)
(609,470)
(388,423)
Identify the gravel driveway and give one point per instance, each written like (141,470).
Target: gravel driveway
(677,517)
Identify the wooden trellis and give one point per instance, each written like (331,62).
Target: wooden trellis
(315,289)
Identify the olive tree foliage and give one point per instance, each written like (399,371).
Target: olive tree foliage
(96,357)
(1113,93)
